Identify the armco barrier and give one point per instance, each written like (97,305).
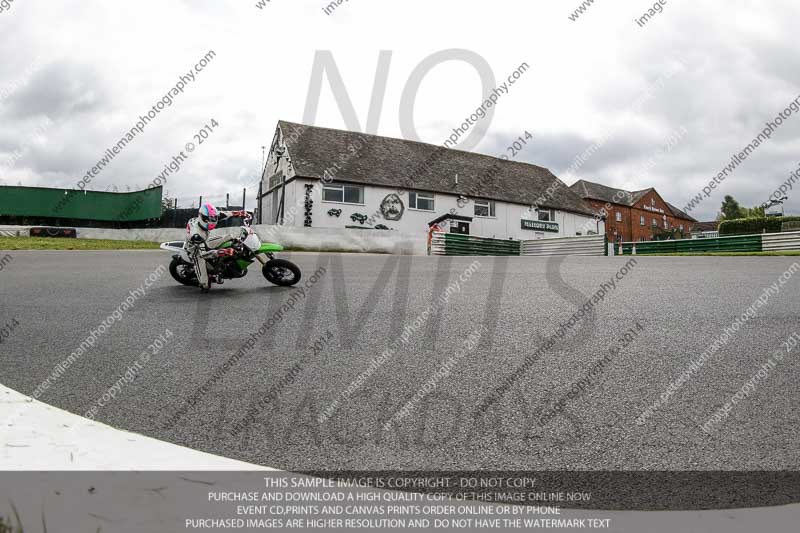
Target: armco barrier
(14,231)
(745,243)
(589,245)
(774,242)
(739,243)
(457,244)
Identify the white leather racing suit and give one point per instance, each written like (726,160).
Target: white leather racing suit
(196,248)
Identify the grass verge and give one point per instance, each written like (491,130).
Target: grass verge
(45,243)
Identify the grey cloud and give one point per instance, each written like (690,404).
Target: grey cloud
(60,91)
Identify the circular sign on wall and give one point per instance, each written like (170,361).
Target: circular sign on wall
(392,207)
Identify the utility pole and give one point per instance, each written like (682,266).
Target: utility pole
(244,198)
(261,182)
(227,200)
(258,203)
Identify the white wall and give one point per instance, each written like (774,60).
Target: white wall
(295,238)
(344,240)
(507,222)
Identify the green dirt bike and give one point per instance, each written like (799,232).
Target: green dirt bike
(230,259)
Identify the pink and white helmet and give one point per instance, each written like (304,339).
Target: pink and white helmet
(209,216)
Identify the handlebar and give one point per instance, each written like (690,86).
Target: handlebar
(245,215)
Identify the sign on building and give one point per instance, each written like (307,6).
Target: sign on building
(538,225)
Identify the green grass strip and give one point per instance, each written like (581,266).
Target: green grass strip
(47,243)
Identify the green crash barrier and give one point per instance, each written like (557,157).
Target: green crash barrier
(744,243)
(457,244)
(83,205)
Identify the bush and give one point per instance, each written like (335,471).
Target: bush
(751,226)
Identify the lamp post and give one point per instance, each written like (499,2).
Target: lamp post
(263,157)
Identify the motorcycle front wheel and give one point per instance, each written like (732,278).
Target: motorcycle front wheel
(183,272)
(281,272)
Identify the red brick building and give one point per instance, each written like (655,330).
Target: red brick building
(635,216)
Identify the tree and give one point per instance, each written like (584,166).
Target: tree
(731,209)
(753,212)
(167,202)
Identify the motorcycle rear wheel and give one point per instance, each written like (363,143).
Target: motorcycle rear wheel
(183,272)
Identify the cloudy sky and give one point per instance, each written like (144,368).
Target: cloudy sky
(707,75)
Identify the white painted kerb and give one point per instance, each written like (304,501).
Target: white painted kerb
(40,437)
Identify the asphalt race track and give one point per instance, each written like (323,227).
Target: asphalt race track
(362,304)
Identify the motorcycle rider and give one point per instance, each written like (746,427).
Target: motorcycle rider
(198,230)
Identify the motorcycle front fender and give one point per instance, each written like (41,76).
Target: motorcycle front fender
(269,247)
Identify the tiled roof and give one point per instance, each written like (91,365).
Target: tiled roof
(680,214)
(597,191)
(389,162)
(706,226)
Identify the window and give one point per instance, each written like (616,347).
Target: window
(619,216)
(547,215)
(422,201)
(652,201)
(641,220)
(681,228)
(666,224)
(343,194)
(484,208)
(655,222)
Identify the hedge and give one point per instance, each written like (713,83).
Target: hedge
(750,226)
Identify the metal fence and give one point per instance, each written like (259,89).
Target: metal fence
(589,245)
(740,243)
(456,244)
(773,242)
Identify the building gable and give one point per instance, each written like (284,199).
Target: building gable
(651,202)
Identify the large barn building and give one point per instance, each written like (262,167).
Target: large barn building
(635,216)
(326,178)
